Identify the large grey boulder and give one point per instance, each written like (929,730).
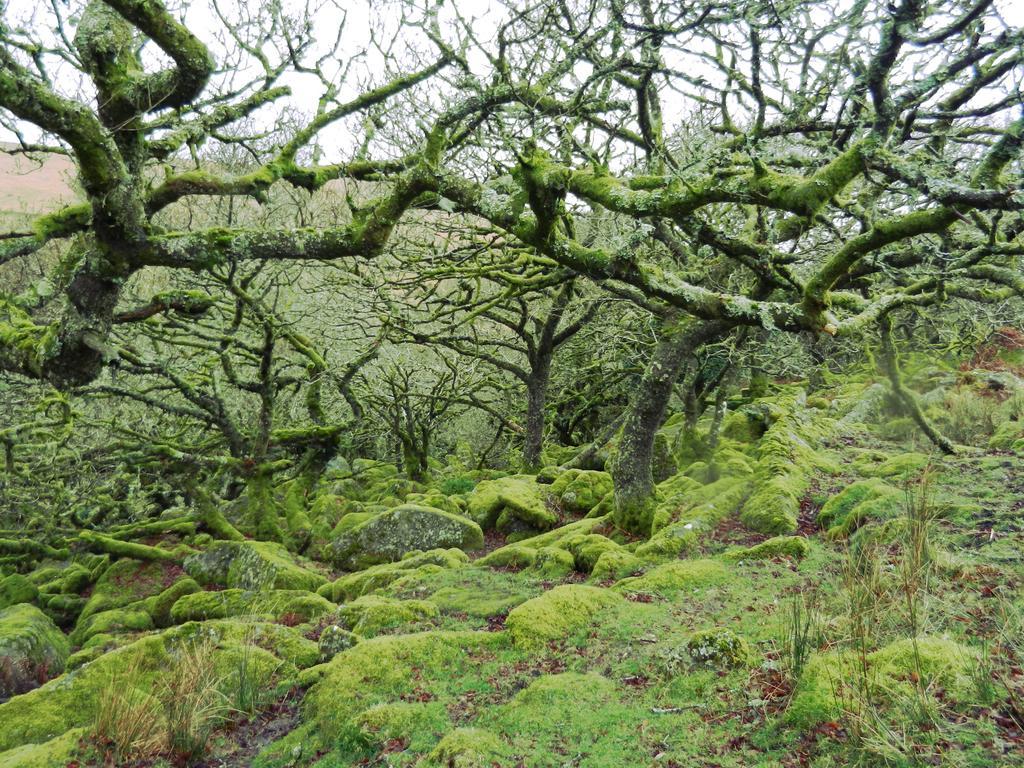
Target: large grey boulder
(387,536)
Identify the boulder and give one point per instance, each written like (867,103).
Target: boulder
(250,565)
(16,589)
(387,537)
(32,649)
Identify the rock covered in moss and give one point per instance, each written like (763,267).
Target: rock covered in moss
(126,582)
(390,535)
(557,613)
(115,621)
(788,453)
(890,675)
(552,562)
(510,556)
(333,640)
(490,497)
(16,589)
(292,605)
(385,669)
(902,465)
(357,584)
(615,564)
(251,565)
(388,721)
(793,547)
(858,503)
(468,748)
(70,701)
(372,615)
(55,753)
(670,578)
(580,490)
(718,647)
(32,649)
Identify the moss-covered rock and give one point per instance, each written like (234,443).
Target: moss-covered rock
(372,615)
(830,679)
(557,614)
(788,453)
(388,721)
(115,621)
(251,565)
(70,700)
(55,753)
(553,562)
(16,589)
(580,490)
(390,535)
(510,556)
(718,647)
(858,503)
(670,578)
(902,465)
(468,748)
(376,577)
(614,565)
(490,497)
(793,547)
(381,670)
(32,649)
(274,604)
(126,582)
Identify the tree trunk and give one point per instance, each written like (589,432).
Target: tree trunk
(536,401)
(632,470)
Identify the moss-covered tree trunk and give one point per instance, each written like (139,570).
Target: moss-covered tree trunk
(632,469)
(536,402)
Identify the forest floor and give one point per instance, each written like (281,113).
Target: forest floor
(892,633)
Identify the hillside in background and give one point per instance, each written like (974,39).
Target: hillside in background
(34,186)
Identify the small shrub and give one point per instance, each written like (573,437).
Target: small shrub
(456,485)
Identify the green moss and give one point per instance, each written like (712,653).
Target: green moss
(718,647)
(557,614)
(32,649)
(376,577)
(511,556)
(1006,434)
(902,465)
(615,564)
(251,565)
(390,535)
(468,748)
(389,721)
(486,504)
(586,549)
(580,490)
(373,615)
(859,503)
(670,578)
(54,753)
(830,679)
(126,582)
(381,670)
(16,589)
(270,604)
(788,453)
(116,621)
(159,606)
(553,563)
(793,547)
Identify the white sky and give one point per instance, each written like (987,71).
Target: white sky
(366,61)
